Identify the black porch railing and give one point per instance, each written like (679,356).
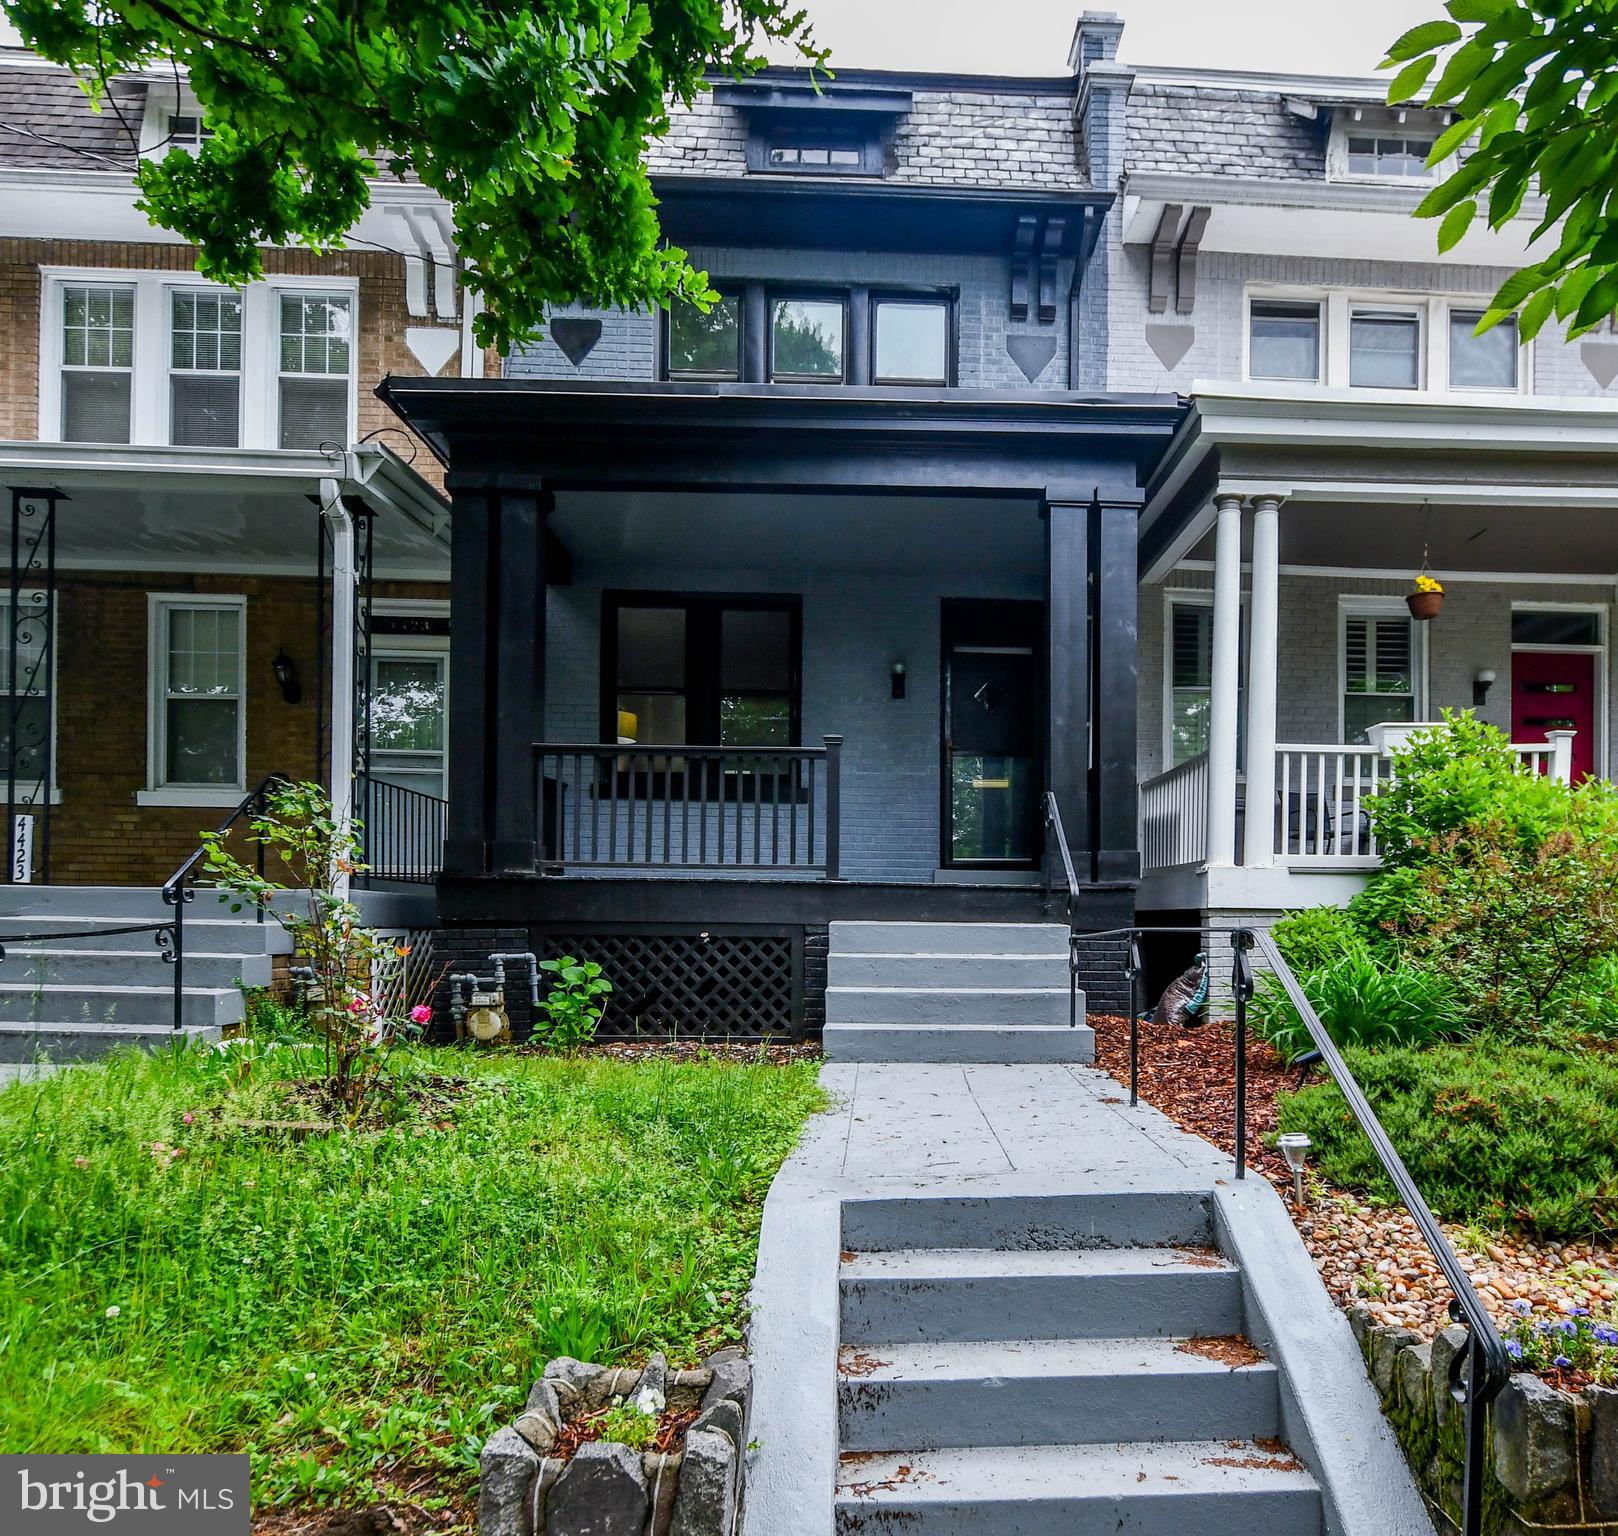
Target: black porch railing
(1477,1372)
(401,831)
(1056,833)
(681,807)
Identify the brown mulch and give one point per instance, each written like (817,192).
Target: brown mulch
(384,1519)
(671,1428)
(1232,1349)
(1190,1074)
(775,1052)
(428,1097)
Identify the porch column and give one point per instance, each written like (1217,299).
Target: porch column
(1226,680)
(1067,734)
(1263,659)
(497,672)
(1117,785)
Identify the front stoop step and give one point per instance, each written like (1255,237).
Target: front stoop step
(22,1041)
(953,993)
(1013,1391)
(1193,1488)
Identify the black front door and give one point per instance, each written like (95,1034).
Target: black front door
(991,733)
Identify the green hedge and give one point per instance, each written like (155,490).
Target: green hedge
(1494,1134)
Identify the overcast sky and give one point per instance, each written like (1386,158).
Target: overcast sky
(1031,36)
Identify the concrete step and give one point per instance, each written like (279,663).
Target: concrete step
(1189,1488)
(1092,1219)
(85,1042)
(991,970)
(867,938)
(1024,1391)
(960,1043)
(948,1005)
(959,1295)
(147,967)
(207,933)
(128,902)
(118,1006)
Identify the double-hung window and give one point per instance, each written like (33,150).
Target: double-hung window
(701,671)
(98,362)
(1190,680)
(315,361)
(1283,340)
(1488,361)
(1381,669)
(197,688)
(205,369)
(1384,348)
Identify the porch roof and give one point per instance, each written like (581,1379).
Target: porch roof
(1446,471)
(580,436)
(231,509)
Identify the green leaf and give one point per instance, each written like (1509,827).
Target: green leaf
(1422,38)
(1515,289)
(1456,223)
(1464,66)
(1534,314)
(1475,10)
(1411,78)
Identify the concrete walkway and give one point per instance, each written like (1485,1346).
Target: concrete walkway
(1013,1158)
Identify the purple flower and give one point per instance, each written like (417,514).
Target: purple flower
(1562,1360)
(1568,1329)
(1514,1349)
(1606,1335)
(1578,1312)
(1522,1308)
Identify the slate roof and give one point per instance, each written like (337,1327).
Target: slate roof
(965,134)
(46,122)
(1199,131)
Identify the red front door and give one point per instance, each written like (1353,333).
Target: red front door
(1556,691)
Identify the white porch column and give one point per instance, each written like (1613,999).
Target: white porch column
(1226,680)
(344,585)
(1263,659)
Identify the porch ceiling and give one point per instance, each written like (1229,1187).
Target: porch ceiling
(909,535)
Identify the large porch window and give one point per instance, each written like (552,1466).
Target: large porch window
(1190,678)
(198,684)
(1380,669)
(701,671)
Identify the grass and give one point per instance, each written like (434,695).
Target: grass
(360,1310)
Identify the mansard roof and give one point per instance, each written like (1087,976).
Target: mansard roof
(1185,127)
(47,122)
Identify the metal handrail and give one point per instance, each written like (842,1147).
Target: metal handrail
(408,816)
(1478,1373)
(1053,825)
(177,893)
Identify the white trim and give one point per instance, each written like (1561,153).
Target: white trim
(1354,605)
(1383,121)
(260,372)
(158,792)
(1484,578)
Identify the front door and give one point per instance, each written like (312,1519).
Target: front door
(1556,691)
(991,734)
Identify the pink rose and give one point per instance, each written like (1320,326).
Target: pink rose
(422,1013)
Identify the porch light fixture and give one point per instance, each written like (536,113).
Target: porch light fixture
(1294,1147)
(286,676)
(1481,684)
(897,673)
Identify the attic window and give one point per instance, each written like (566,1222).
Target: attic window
(1383,144)
(186,130)
(1383,154)
(820,150)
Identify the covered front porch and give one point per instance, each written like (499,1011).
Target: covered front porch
(1281,664)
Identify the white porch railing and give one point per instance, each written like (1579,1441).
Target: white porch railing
(1320,815)
(1174,817)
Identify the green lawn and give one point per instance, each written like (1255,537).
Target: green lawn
(361,1309)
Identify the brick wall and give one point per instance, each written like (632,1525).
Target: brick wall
(100,836)
(383,319)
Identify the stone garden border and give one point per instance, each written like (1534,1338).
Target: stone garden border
(1553,1456)
(607,1489)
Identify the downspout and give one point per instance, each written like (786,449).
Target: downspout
(344,584)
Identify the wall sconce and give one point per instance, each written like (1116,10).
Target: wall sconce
(286,674)
(1294,1147)
(1481,684)
(897,671)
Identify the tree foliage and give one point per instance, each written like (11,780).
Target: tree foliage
(530,119)
(1534,86)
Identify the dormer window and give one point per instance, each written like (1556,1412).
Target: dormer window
(187,131)
(1383,144)
(821,150)
(1387,154)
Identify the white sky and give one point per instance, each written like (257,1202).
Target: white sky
(1032,36)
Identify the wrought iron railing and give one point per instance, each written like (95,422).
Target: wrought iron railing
(401,831)
(178,892)
(1480,1370)
(683,807)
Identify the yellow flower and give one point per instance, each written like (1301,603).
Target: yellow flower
(1426,583)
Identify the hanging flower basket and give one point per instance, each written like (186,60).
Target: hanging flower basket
(1425,602)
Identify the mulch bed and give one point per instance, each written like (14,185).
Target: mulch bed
(384,1519)
(671,1427)
(775,1052)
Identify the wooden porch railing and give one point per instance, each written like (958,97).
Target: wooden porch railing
(1174,817)
(684,807)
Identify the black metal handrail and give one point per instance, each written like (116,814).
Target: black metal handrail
(177,892)
(401,830)
(1054,828)
(1477,1373)
(678,806)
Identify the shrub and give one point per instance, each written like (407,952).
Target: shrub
(1361,1002)
(1316,936)
(1492,1133)
(569,1012)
